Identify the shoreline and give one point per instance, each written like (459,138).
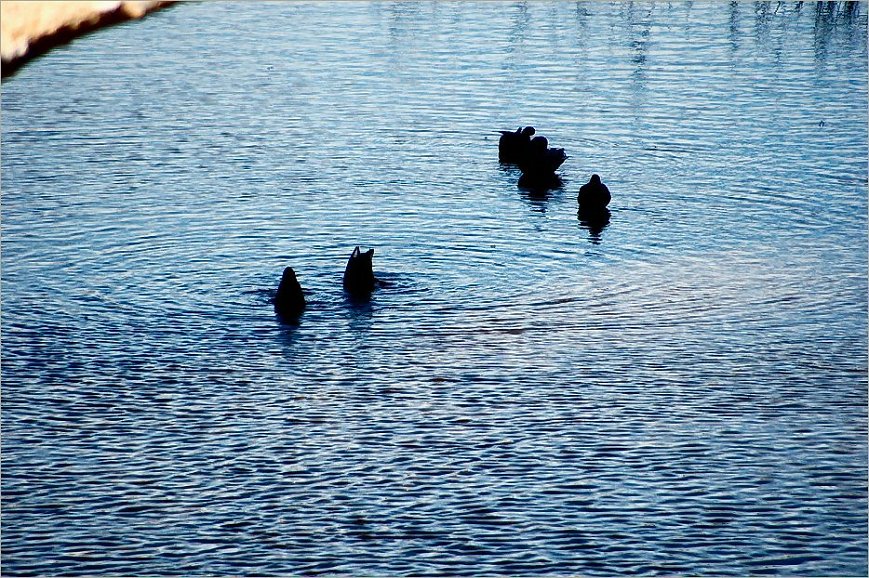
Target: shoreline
(30,29)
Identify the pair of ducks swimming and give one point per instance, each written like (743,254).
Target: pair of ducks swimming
(359,282)
(532,155)
(536,159)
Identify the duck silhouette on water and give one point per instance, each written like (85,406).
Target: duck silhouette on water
(540,160)
(593,195)
(513,146)
(359,280)
(593,214)
(289,300)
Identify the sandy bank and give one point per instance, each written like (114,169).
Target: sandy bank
(30,28)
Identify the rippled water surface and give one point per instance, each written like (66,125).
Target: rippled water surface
(681,390)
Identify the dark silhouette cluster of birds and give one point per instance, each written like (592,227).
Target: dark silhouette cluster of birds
(531,153)
(538,164)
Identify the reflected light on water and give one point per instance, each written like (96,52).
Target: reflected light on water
(674,386)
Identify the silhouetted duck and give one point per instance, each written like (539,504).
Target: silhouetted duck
(359,273)
(513,146)
(289,300)
(540,159)
(593,194)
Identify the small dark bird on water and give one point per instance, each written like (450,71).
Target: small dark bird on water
(540,159)
(593,194)
(513,146)
(289,300)
(359,274)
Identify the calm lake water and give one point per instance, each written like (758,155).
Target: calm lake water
(683,391)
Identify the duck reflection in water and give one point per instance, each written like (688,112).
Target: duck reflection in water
(538,189)
(360,315)
(594,220)
(539,185)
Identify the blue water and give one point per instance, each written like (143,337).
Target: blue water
(683,391)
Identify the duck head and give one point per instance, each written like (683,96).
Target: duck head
(540,143)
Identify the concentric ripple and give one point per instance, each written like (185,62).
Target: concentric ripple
(679,390)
